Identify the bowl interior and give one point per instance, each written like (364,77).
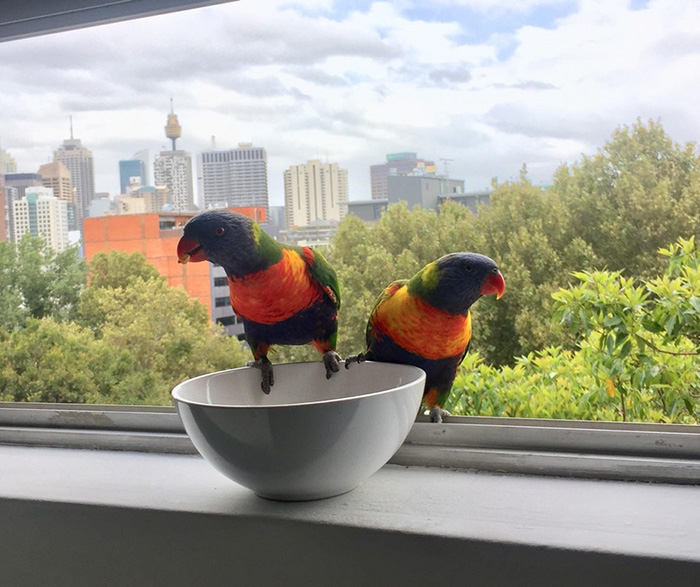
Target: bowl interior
(295,384)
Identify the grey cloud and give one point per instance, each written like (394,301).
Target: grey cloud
(317,76)
(528,85)
(514,118)
(677,45)
(450,76)
(159,51)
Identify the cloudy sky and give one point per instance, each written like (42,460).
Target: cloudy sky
(486,84)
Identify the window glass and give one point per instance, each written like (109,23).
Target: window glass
(556,138)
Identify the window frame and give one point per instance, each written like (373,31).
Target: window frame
(604,450)
(665,453)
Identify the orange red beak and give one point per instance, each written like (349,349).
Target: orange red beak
(189,249)
(494,284)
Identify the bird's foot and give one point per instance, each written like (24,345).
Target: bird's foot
(354,359)
(268,377)
(331,360)
(437,414)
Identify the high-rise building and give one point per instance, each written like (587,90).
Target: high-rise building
(233,177)
(154,198)
(424,191)
(173,170)
(7,163)
(315,192)
(129,168)
(57,177)
(81,165)
(397,164)
(145,157)
(16,185)
(42,214)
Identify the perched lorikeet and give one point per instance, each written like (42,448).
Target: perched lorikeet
(282,293)
(425,321)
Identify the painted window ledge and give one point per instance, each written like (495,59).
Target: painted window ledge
(141,509)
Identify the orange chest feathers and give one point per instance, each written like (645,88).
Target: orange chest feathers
(276,293)
(421,328)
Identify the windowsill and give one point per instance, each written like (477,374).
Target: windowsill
(172,519)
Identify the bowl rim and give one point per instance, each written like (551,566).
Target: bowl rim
(175,393)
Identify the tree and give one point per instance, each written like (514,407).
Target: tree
(637,357)
(160,335)
(134,338)
(119,269)
(49,361)
(37,282)
(638,193)
(523,230)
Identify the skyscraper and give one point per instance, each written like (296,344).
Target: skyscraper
(16,185)
(42,214)
(80,163)
(145,157)
(129,168)
(233,178)
(57,177)
(315,191)
(7,163)
(396,164)
(173,169)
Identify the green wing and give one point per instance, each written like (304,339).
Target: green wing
(322,272)
(387,292)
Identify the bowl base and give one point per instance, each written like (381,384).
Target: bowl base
(309,497)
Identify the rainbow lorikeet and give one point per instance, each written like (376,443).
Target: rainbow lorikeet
(283,294)
(425,321)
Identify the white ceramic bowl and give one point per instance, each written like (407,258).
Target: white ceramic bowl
(310,438)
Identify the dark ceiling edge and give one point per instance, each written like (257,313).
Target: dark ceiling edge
(41,18)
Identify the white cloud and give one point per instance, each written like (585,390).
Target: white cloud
(307,80)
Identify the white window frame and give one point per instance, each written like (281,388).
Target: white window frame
(605,450)
(668,453)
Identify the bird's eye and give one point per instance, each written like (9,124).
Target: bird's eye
(469,267)
(220,231)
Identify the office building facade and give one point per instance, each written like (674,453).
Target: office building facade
(57,177)
(16,185)
(172,170)
(81,165)
(233,177)
(314,192)
(41,214)
(128,169)
(396,164)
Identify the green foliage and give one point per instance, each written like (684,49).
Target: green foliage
(638,356)
(36,282)
(640,192)
(521,230)
(614,211)
(133,339)
(119,269)
(49,361)
(623,344)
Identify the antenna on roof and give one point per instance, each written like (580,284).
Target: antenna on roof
(71,126)
(446,165)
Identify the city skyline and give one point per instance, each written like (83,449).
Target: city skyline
(482,85)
